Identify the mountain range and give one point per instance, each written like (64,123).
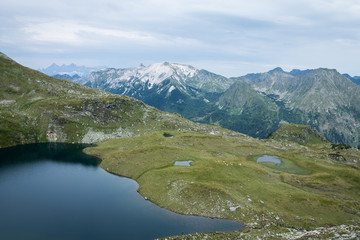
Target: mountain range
(321,98)
(354,79)
(175,88)
(255,104)
(67,76)
(35,108)
(71,70)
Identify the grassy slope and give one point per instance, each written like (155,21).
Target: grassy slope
(300,134)
(235,110)
(224,175)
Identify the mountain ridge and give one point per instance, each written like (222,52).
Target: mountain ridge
(322,98)
(325,99)
(157,73)
(70,69)
(180,88)
(35,107)
(354,79)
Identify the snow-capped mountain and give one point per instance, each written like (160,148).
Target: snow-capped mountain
(168,75)
(170,87)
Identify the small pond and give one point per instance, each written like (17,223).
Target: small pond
(183,163)
(268,158)
(54,191)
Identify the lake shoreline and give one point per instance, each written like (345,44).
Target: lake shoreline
(158,145)
(66,170)
(150,200)
(249,230)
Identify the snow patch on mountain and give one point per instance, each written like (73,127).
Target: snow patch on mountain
(157,77)
(155,73)
(172,88)
(158,72)
(150,76)
(186,70)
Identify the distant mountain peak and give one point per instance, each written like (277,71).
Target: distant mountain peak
(278,69)
(159,77)
(158,72)
(322,69)
(297,72)
(355,79)
(54,65)
(71,69)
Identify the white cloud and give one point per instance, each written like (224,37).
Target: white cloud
(257,33)
(74,33)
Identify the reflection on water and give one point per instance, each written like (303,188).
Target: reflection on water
(61,152)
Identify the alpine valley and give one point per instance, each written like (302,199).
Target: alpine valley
(312,192)
(254,104)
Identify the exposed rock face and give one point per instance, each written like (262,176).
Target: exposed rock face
(51,136)
(345,232)
(97,136)
(337,157)
(321,98)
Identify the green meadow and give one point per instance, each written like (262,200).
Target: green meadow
(309,189)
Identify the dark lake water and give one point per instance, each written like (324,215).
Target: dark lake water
(54,191)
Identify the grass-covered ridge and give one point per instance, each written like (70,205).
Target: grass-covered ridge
(297,133)
(224,180)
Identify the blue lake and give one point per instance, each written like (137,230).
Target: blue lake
(183,163)
(54,191)
(268,158)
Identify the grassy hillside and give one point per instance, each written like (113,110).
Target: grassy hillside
(300,134)
(244,110)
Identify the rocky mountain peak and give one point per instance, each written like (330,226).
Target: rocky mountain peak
(278,69)
(155,73)
(297,72)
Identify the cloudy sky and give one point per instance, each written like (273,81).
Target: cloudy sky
(228,37)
